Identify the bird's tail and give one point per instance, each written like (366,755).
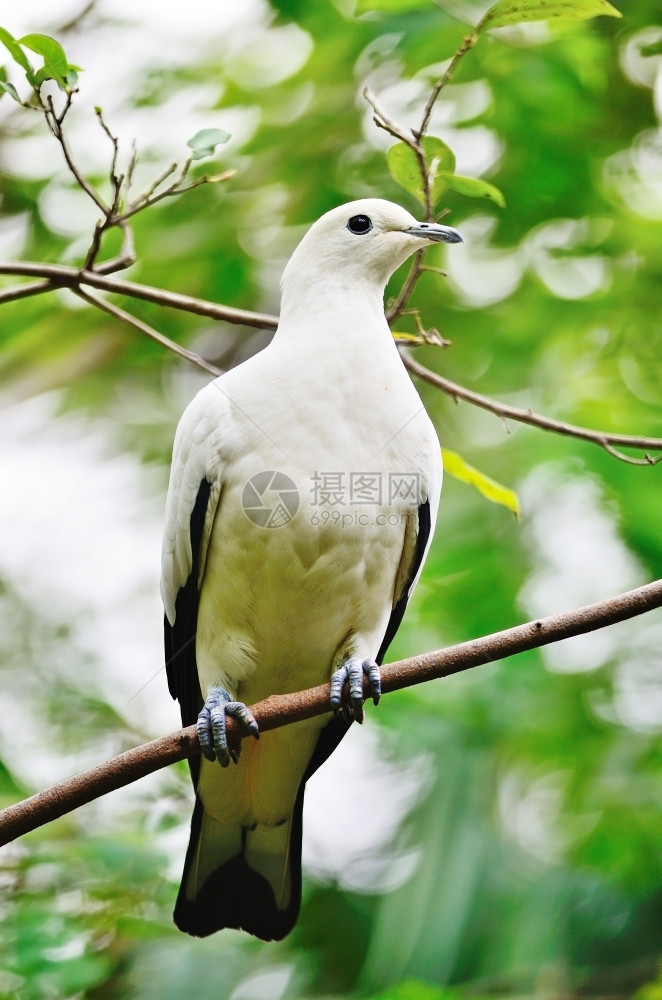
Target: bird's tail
(233,876)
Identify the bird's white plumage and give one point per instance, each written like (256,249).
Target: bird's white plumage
(279,609)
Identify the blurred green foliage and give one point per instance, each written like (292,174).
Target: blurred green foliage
(537,835)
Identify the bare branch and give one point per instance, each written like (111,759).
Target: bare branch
(411,139)
(399,305)
(176,189)
(25,291)
(282,710)
(59,276)
(115,179)
(604,439)
(55,124)
(467,43)
(149,331)
(127,255)
(143,199)
(383,121)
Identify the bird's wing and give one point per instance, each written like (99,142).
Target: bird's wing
(196,480)
(418,538)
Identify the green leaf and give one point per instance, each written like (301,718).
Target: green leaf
(455,466)
(206,140)
(472,187)
(405,168)
(506,12)
(17,53)
(55,61)
(9,88)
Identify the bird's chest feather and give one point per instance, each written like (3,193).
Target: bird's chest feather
(309,529)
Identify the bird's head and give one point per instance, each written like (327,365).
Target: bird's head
(362,242)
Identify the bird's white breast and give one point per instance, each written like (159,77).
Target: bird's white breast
(280,606)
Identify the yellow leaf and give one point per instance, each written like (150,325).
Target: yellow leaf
(455,466)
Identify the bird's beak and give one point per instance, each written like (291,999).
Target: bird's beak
(434,232)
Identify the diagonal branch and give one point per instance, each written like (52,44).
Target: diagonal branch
(610,442)
(25,291)
(282,710)
(468,42)
(149,331)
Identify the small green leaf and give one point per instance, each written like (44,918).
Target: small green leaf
(205,142)
(55,61)
(653,49)
(455,466)
(506,12)
(9,88)
(472,187)
(405,168)
(17,53)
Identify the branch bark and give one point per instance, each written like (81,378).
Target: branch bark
(60,276)
(282,710)
(610,442)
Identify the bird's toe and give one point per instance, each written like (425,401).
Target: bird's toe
(212,726)
(372,672)
(351,672)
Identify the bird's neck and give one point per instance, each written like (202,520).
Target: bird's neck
(343,316)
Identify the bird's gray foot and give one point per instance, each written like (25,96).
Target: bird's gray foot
(352,671)
(212,732)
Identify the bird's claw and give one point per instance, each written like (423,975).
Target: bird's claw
(352,671)
(211,725)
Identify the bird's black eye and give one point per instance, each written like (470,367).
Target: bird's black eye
(359,224)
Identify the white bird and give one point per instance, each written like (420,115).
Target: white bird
(303,492)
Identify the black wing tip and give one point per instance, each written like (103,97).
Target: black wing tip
(398,613)
(236,897)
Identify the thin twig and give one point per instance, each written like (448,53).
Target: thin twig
(143,199)
(55,125)
(385,122)
(410,139)
(604,439)
(149,331)
(467,43)
(399,305)
(277,711)
(125,258)
(175,189)
(115,180)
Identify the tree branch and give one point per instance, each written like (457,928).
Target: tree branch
(149,331)
(61,276)
(282,710)
(467,43)
(25,291)
(55,122)
(602,438)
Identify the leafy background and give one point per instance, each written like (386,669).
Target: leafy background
(494,834)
